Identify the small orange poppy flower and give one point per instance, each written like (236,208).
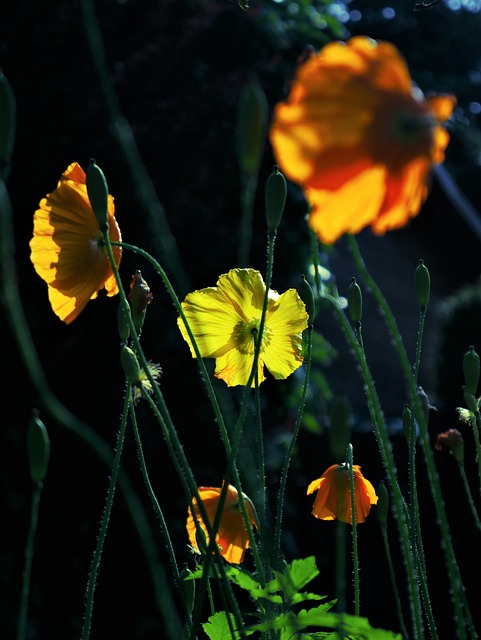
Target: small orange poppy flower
(231,537)
(359,138)
(333,498)
(66,248)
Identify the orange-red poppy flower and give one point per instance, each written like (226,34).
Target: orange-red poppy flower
(232,538)
(66,248)
(359,138)
(333,498)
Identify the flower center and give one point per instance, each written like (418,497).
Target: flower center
(245,336)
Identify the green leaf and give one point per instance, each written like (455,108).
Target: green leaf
(217,627)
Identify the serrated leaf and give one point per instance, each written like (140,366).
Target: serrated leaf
(217,627)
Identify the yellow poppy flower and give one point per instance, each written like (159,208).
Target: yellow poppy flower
(333,499)
(231,537)
(66,248)
(359,138)
(224,320)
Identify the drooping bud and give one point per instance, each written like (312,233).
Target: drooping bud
(453,440)
(340,421)
(98,193)
(305,293)
(7,125)
(123,317)
(251,128)
(354,301)
(140,297)
(425,408)
(422,284)
(275,198)
(382,503)
(471,369)
(38,446)
(130,365)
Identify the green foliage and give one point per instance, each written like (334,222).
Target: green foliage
(277,602)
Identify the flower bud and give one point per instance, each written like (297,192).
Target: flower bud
(98,193)
(354,301)
(382,503)
(188,588)
(340,420)
(38,446)
(130,365)
(251,128)
(305,293)
(422,284)
(7,125)
(425,406)
(471,369)
(407,420)
(123,316)
(470,401)
(275,198)
(140,297)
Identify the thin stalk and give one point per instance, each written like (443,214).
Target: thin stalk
(27,571)
(340,575)
(94,569)
(355,555)
(457,589)
(392,576)
(247,214)
(291,447)
(475,425)
(469,495)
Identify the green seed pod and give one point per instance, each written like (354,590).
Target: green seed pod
(275,198)
(471,368)
(98,192)
(38,446)
(407,418)
(422,284)
(123,316)
(130,365)
(382,504)
(7,125)
(140,297)
(340,421)
(305,293)
(188,588)
(354,301)
(251,128)
(470,400)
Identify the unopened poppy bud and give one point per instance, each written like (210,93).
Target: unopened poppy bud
(471,370)
(470,401)
(140,297)
(305,293)
(98,193)
(130,365)
(382,503)
(188,588)
(453,440)
(251,128)
(38,446)
(7,125)
(407,420)
(354,302)
(275,198)
(422,284)
(123,321)
(340,420)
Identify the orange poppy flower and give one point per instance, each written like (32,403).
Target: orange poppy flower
(231,537)
(359,138)
(66,248)
(333,499)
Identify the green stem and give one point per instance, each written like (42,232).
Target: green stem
(392,576)
(29,548)
(469,496)
(291,447)
(457,589)
(355,556)
(94,569)
(340,575)
(247,214)
(475,425)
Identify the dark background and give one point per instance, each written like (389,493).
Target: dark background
(178,68)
